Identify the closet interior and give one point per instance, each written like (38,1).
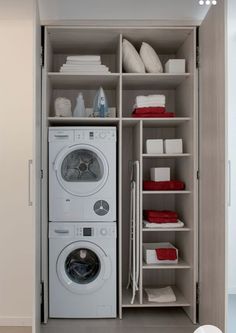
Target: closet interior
(121,90)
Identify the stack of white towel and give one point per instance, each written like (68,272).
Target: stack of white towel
(150,101)
(84,64)
(161,295)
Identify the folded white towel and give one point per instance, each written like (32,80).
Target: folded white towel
(159,98)
(78,62)
(149,105)
(161,295)
(84,67)
(147,224)
(85,57)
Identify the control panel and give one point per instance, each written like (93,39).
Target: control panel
(91,134)
(82,231)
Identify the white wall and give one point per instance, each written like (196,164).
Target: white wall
(232,141)
(121,9)
(16,217)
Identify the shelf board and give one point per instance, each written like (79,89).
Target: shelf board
(126,297)
(180,265)
(166,192)
(132,81)
(83,81)
(165,155)
(81,121)
(155,122)
(165,229)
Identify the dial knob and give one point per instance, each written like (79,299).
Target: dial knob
(102,135)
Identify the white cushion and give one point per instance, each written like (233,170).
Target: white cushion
(150,59)
(132,62)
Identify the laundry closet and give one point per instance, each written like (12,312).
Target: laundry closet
(196,100)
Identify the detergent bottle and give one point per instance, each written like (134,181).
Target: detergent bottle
(79,110)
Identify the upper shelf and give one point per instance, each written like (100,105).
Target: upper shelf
(83,81)
(155,122)
(133,81)
(165,155)
(63,121)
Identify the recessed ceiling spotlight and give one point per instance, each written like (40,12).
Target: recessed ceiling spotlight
(208,2)
(214,2)
(201,2)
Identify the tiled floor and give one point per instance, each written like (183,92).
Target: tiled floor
(232,314)
(134,321)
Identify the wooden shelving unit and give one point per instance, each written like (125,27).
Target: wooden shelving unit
(121,89)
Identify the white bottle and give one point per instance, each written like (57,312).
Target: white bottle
(79,110)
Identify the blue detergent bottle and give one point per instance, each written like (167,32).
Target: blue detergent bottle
(100,108)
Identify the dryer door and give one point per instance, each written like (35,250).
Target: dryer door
(81,170)
(83,267)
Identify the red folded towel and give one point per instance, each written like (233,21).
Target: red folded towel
(172,185)
(150,110)
(160,213)
(166,254)
(152,115)
(161,220)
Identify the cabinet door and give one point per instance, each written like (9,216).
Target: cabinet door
(17,164)
(37,166)
(212,146)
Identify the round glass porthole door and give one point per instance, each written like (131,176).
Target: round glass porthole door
(83,267)
(82,170)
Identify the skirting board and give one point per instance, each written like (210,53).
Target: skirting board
(15,321)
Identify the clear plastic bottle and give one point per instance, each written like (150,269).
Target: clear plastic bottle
(79,110)
(100,107)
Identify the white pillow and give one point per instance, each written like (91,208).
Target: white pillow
(132,62)
(150,59)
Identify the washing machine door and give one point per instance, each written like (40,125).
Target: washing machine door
(81,170)
(83,267)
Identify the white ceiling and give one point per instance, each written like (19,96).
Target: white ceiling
(121,9)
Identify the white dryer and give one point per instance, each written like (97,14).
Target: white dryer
(82,174)
(82,270)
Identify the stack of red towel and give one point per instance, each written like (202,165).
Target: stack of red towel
(172,185)
(164,216)
(166,254)
(152,112)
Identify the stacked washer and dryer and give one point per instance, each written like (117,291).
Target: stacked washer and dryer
(82,228)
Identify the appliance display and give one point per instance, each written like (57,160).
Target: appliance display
(82,270)
(82,174)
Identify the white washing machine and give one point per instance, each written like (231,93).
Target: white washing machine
(82,174)
(82,270)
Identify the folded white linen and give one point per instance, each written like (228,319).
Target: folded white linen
(83,66)
(76,71)
(161,295)
(178,224)
(78,62)
(148,105)
(85,57)
(143,99)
